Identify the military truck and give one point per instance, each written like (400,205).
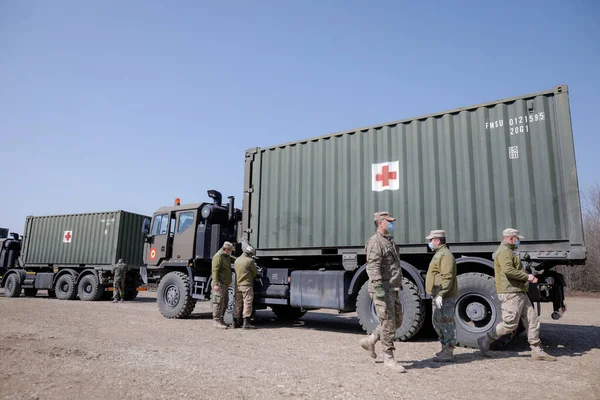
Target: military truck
(71,256)
(308,210)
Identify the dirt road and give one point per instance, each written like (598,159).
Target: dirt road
(51,349)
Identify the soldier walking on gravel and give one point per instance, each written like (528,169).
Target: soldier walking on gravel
(221,279)
(245,272)
(442,286)
(385,281)
(119,276)
(512,285)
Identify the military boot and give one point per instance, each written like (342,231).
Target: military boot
(219,324)
(390,362)
(446,355)
(484,345)
(540,355)
(247,324)
(115,300)
(368,344)
(236,323)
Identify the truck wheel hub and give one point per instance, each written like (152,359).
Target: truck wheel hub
(172,296)
(476,311)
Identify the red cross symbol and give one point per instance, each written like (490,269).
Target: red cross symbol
(68,236)
(385,176)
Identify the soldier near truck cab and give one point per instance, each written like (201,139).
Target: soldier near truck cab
(442,286)
(385,280)
(120,273)
(512,285)
(221,279)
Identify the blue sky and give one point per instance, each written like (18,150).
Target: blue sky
(109,105)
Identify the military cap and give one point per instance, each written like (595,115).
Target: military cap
(249,250)
(510,232)
(436,234)
(227,246)
(121,260)
(378,216)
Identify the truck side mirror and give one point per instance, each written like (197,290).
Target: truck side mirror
(148,238)
(146,226)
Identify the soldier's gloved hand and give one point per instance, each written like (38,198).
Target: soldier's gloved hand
(438,302)
(379,292)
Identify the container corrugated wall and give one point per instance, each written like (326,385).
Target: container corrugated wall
(472,172)
(95,239)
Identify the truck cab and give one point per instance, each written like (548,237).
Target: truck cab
(180,243)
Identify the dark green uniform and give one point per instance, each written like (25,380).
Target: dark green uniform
(119,276)
(221,276)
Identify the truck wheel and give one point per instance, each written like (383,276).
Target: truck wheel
(65,288)
(174,298)
(131,295)
(477,308)
(288,313)
(31,292)
(13,287)
(89,289)
(413,310)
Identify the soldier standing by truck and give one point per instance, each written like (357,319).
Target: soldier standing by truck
(512,286)
(119,276)
(221,279)
(245,272)
(385,281)
(442,286)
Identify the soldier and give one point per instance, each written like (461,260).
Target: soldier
(119,275)
(442,286)
(221,279)
(385,281)
(245,272)
(512,285)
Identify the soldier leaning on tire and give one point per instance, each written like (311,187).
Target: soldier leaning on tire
(385,280)
(442,286)
(221,279)
(512,284)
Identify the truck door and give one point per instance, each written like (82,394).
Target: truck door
(163,228)
(184,240)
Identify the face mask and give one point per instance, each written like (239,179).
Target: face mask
(518,243)
(430,244)
(390,227)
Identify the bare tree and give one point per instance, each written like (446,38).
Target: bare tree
(587,278)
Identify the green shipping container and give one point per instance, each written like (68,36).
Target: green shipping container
(472,171)
(84,240)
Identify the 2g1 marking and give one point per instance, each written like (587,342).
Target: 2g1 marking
(519,129)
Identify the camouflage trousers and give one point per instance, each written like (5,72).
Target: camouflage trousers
(389,312)
(220,302)
(443,322)
(515,307)
(119,289)
(244,296)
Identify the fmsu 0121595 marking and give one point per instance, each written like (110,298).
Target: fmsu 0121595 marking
(517,124)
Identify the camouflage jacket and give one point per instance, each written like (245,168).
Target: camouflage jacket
(245,270)
(441,275)
(510,273)
(383,262)
(120,270)
(221,268)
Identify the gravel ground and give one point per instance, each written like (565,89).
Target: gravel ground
(51,349)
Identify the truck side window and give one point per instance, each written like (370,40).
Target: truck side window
(185,221)
(160,225)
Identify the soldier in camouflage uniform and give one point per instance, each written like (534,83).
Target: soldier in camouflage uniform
(245,272)
(119,275)
(512,286)
(385,281)
(442,286)
(221,279)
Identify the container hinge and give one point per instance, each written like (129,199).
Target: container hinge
(249,230)
(251,190)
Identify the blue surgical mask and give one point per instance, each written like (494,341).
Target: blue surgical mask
(430,244)
(390,227)
(518,243)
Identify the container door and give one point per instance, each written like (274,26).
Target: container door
(163,228)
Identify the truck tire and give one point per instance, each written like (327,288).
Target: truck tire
(130,295)
(31,292)
(413,310)
(477,308)
(13,287)
(174,298)
(288,313)
(89,289)
(65,287)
